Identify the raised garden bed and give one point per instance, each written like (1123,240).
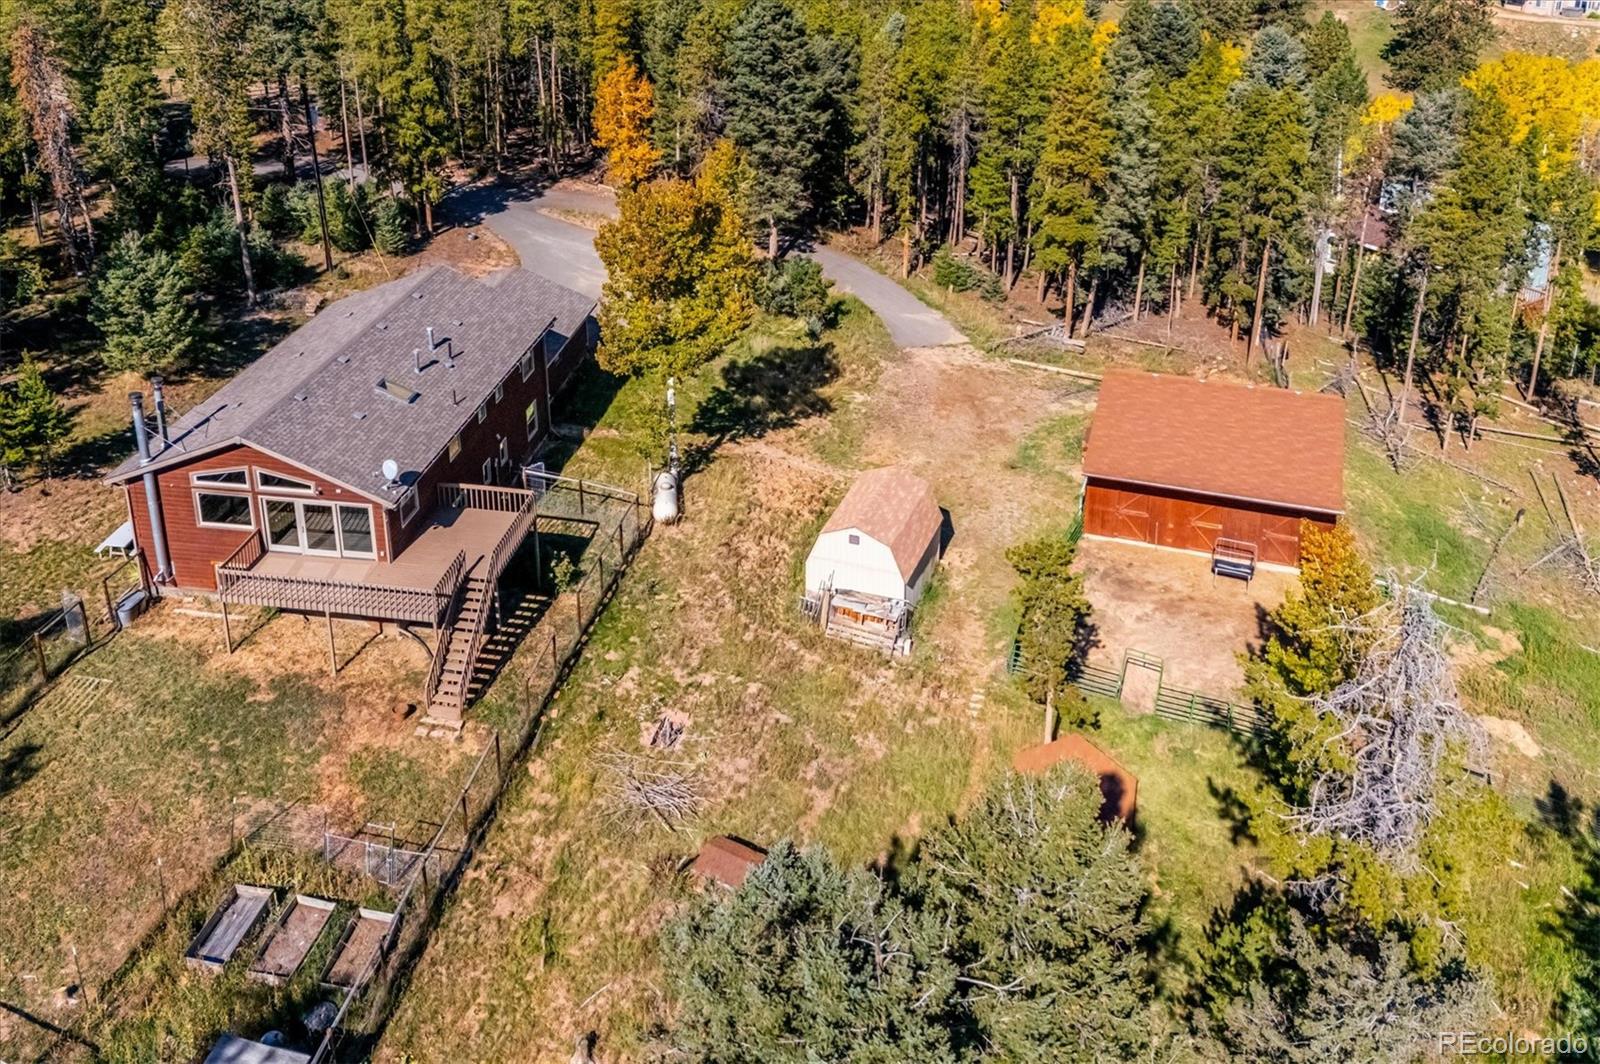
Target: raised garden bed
(228,926)
(357,948)
(291,939)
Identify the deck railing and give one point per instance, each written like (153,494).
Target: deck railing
(450,589)
(238,583)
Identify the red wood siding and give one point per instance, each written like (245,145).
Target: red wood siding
(1194,522)
(482,441)
(195,550)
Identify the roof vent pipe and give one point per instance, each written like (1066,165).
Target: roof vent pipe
(160,398)
(416,358)
(449,353)
(431,343)
(152,498)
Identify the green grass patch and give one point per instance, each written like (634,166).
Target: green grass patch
(1055,448)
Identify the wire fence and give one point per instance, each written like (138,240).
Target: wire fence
(47,644)
(620,522)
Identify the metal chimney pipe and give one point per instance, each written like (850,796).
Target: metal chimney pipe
(152,498)
(416,359)
(431,344)
(160,398)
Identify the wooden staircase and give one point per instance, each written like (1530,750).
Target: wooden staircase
(459,646)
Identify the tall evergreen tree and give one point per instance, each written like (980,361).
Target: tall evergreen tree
(778,112)
(142,305)
(1437,42)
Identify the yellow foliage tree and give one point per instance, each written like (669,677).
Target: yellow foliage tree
(624,105)
(1555,97)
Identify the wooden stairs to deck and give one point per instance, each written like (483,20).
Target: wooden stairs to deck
(462,642)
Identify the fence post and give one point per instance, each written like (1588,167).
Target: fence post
(38,656)
(577,616)
(111,609)
(555,663)
(622,552)
(499,765)
(466,819)
(580,497)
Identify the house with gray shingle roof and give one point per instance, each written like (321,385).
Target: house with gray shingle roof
(370,464)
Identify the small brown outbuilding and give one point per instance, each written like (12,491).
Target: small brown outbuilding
(727,860)
(1119,788)
(1188,464)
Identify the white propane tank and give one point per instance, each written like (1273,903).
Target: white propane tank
(665,506)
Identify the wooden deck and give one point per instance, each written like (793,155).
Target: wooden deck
(416,587)
(419,567)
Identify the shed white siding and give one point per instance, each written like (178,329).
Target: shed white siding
(867,567)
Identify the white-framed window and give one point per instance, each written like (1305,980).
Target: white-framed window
(267,481)
(215,509)
(455,447)
(234,478)
(355,532)
(488,471)
(483,411)
(408,507)
(531,416)
(527,364)
(499,391)
(505,451)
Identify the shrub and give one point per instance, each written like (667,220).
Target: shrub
(795,288)
(389,226)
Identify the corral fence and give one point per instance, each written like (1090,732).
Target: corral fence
(46,645)
(1172,702)
(425,878)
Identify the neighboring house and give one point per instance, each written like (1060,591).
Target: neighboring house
(1568,8)
(873,559)
(1226,470)
(340,472)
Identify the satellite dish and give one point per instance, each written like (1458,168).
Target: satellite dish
(391,470)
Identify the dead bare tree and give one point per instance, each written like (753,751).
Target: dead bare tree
(42,91)
(1400,724)
(1571,550)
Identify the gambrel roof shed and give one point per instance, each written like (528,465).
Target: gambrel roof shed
(894,507)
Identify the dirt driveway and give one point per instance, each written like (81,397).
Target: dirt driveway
(1168,604)
(958,418)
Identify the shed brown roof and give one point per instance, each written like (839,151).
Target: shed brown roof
(727,860)
(1243,442)
(894,507)
(1119,788)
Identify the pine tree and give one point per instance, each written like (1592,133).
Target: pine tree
(808,962)
(143,308)
(1437,42)
(1335,1003)
(33,421)
(389,227)
(1041,904)
(624,106)
(778,112)
(1054,615)
(209,39)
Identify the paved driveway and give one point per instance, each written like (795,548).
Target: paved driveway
(565,253)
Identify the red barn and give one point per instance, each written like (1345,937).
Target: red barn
(1212,467)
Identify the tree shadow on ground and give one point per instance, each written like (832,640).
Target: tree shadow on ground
(774,390)
(1577,922)
(18,765)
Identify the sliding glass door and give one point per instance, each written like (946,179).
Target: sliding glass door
(329,529)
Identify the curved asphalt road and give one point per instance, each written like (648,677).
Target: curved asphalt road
(565,253)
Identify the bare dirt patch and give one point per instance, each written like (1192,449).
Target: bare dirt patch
(1168,604)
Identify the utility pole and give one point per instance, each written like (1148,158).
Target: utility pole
(316,172)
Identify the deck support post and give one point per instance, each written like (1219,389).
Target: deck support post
(227,632)
(333,659)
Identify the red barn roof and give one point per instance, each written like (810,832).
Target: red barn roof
(1244,442)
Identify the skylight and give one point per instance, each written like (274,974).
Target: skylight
(396,391)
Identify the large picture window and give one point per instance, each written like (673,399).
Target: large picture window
(214,509)
(300,527)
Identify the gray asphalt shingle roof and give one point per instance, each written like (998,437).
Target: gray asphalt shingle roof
(315,399)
